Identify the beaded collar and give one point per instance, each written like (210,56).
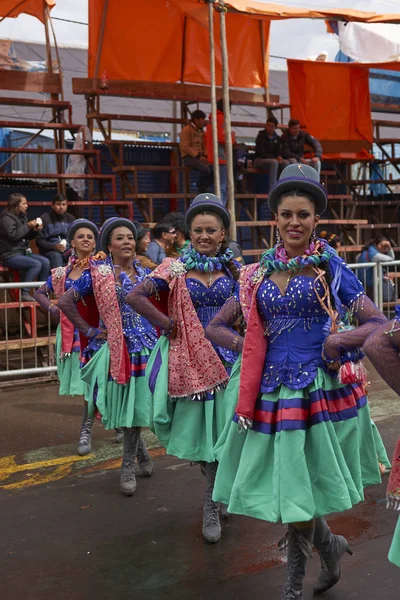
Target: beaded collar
(276,259)
(206,264)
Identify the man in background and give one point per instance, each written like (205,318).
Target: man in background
(193,149)
(293,141)
(52,239)
(269,150)
(164,239)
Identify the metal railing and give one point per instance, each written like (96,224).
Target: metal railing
(28,336)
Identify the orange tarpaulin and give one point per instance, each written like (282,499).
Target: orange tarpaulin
(163,42)
(35,8)
(279,12)
(332,100)
(167,40)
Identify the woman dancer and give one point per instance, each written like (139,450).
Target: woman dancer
(188,367)
(382,348)
(116,355)
(304,447)
(82,236)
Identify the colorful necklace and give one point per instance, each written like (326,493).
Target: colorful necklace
(205,264)
(277,259)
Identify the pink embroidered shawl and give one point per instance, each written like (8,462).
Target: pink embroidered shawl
(103,283)
(255,343)
(194,367)
(58,277)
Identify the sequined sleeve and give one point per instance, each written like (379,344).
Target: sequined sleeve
(368,317)
(67,304)
(382,348)
(139,299)
(41,296)
(220,330)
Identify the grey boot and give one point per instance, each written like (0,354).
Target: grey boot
(211,525)
(299,544)
(331,549)
(146,465)
(119,435)
(131,443)
(85,437)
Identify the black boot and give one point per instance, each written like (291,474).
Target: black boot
(128,476)
(211,524)
(85,437)
(146,465)
(331,549)
(119,435)
(299,544)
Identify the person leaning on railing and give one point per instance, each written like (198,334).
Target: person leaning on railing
(378,250)
(15,253)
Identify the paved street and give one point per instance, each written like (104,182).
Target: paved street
(68,533)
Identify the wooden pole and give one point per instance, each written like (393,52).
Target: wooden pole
(265,64)
(100,44)
(217,186)
(227,115)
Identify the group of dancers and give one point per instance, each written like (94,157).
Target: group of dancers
(253,373)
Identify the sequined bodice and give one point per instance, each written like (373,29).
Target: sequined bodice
(207,301)
(294,326)
(138,332)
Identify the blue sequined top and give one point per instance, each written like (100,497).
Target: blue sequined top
(207,302)
(137,330)
(294,326)
(67,285)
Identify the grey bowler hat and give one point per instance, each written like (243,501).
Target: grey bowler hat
(204,202)
(111,224)
(298,177)
(78,224)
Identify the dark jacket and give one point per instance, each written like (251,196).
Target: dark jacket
(55,228)
(14,234)
(294,147)
(267,147)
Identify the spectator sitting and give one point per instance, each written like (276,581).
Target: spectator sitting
(52,239)
(221,149)
(293,142)
(377,250)
(164,237)
(193,149)
(15,253)
(182,240)
(332,239)
(142,243)
(269,150)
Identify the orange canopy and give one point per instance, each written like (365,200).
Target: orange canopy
(169,41)
(35,8)
(279,12)
(332,100)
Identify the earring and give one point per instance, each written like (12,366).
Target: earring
(218,249)
(111,259)
(278,236)
(73,253)
(313,237)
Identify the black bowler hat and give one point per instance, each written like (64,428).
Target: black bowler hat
(141,231)
(78,224)
(204,202)
(298,177)
(111,224)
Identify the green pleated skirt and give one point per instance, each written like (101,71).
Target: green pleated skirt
(68,371)
(394,552)
(119,405)
(188,429)
(294,475)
